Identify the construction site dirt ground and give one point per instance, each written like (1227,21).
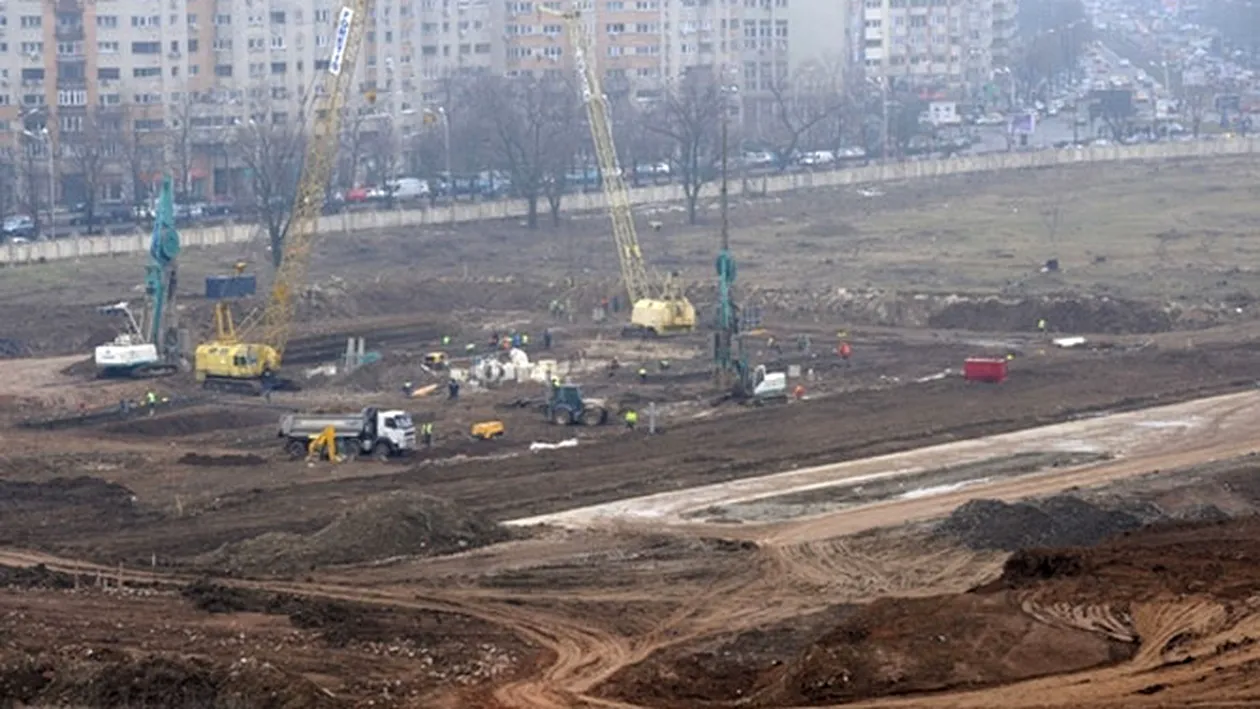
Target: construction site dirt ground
(182,559)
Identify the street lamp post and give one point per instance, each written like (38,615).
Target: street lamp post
(46,138)
(446,141)
(440,114)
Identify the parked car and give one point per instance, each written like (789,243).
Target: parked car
(102,215)
(19,226)
(817,158)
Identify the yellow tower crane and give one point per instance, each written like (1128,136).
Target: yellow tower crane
(656,308)
(241,362)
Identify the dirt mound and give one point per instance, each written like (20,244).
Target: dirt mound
(1057,521)
(393,524)
(1217,558)
(195,422)
(228,461)
(155,681)
(29,510)
(39,576)
(1074,315)
(892,646)
(901,646)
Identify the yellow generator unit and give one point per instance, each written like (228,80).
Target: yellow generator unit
(655,317)
(238,367)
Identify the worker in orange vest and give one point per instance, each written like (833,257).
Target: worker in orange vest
(845,351)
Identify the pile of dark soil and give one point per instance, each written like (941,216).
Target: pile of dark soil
(195,422)
(29,510)
(226,461)
(1220,558)
(157,682)
(1066,315)
(1057,521)
(34,577)
(389,525)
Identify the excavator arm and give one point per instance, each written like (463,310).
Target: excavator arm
(321,152)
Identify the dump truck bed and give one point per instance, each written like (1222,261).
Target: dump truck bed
(314,424)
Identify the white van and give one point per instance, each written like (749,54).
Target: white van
(408,188)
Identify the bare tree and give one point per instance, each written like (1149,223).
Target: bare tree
(182,145)
(141,156)
(384,156)
(33,181)
(353,142)
(272,151)
(640,149)
(690,116)
(811,101)
(535,126)
(9,186)
(88,154)
(1195,102)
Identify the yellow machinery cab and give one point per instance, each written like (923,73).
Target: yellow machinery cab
(485,430)
(664,316)
(223,360)
(435,360)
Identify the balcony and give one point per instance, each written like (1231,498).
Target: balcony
(69,33)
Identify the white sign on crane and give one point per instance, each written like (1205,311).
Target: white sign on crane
(339,40)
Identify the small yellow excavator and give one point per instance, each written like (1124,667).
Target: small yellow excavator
(323,446)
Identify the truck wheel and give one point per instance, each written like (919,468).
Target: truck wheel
(349,448)
(382,451)
(295,449)
(560,417)
(593,417)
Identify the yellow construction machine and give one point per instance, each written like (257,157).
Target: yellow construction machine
(657,308)
(245,362)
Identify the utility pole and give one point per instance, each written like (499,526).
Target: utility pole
(726,366)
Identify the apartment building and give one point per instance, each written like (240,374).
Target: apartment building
(178,78)
(953,45)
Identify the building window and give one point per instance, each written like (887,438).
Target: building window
(146,20)
(109,99)
(107,22)
(72,97)
(31,21)
(146,47)
(277,41)
(107,47)
(224,70)
(192,19)
(146,72)
(108,73)
(323,17)
(277,18)
(35,48)
(222,20)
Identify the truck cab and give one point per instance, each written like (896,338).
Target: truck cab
(394,428)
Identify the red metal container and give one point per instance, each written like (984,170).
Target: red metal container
(979,369)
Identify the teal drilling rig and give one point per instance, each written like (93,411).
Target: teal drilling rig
(152,345)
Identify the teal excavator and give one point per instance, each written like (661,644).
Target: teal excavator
(152,344)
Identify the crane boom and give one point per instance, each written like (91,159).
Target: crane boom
(616,193)
(317,165)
